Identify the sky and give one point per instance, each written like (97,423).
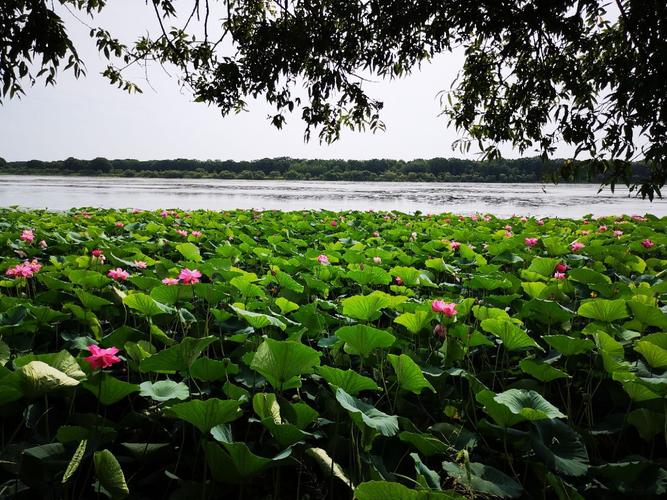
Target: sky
(86,118)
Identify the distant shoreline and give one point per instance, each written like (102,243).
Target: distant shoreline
(522,170)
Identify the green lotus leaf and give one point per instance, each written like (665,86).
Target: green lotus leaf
(409,375)
(258,320)
(108,389)
(483,479)
(559,447)
(569,346)
(146,305)
(528,404)
(283,362)
(604,310)
(513,337)
(189,251)
(543,372)
(206,414)
(164,390)
(110,475)
(348,380)
(415,322)
(365,414)
(362,339)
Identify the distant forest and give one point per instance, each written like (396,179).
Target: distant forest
(432,170)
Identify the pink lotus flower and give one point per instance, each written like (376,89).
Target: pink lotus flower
(446,308)
(97,253)
(140,264)
(454,245)
(118,274)
(447,220)
(602,228)
(639,218)
(86,215)
(530,242)
(196,234)
(170,281)
(189,277)
(377,260)
(102,358)
(508,227)
(119,224)
(25,270)
(164,213)
(398,281)
(440,331)
(585,232)
(524,219)
(376,234)
(334,223)
(560,267)
(474,217)
(576,246)
(647,243)
(33,265)
(323,259)
(182,232)
(540,222)
(42,244)
(559,276)
(618,233)
(508,234)
(487,218)
(586,221)
(136,211)
(27,235)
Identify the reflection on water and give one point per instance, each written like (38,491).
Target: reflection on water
(60,193)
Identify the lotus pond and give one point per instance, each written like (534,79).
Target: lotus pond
(323,355)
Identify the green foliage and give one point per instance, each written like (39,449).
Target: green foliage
(275,367)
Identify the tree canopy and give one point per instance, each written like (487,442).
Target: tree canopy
(589,73)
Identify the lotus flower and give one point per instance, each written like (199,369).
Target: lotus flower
(189,276)
(559,276)
(170,281)
(323,259)
(377,260)
(560,267)
(140,264)
(43,245)
(647,243)
(102,358)
(454,245)
(398,281)
(446,308)
(540,222)
(97,253)
(196,234)
(618,233)
(530,242)
(576,246)
(27,235)
(118,274)
(182,232)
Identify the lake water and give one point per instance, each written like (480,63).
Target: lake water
(61,193)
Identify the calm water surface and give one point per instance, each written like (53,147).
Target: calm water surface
(61,193)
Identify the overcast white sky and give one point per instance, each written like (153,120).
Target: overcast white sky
(86,118)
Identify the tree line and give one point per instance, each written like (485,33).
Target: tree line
(419,170)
